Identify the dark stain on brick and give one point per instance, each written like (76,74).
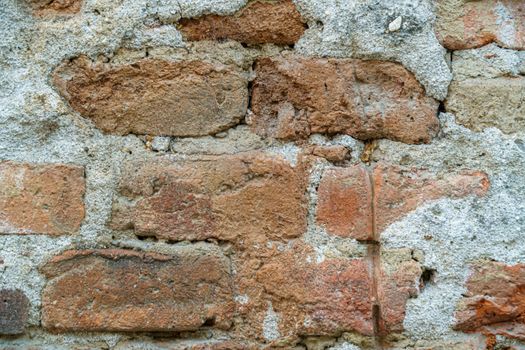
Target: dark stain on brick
(14,309)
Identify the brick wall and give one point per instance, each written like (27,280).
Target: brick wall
(263,174)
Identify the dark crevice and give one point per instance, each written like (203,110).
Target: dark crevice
(147,238)
(218,242)
(376,318)
(209,322)
(369,241)
(441,108)
(250,85)
(428,277)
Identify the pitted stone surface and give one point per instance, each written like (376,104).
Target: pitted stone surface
(488,89)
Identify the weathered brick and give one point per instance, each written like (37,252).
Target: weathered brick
(41,198)
(55,7)
(463,24)
(480,103)
(247,197)
(48,344)
(156,97)
(350,205)
(398,190)
(309,297)
(294,97)
(495,300)
(259,22)
(14,309)
(120,290)
(313,297)
(398,278)
(345,202)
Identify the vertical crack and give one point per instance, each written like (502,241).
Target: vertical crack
(374,256)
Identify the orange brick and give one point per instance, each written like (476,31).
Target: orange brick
(41,198)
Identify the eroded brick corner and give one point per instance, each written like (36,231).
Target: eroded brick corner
(55,7)
(494,303)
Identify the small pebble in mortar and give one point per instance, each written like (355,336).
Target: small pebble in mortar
(395,25)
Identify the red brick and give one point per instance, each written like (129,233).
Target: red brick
(14,310)
(345,202)
(55,7)
(294,97)
(259,22)
(41,198)
(313,298)
(495,300)
(120,290)
(310,298)
(469,24)
(155,97)
(399,190)
(247,198)
(345,195)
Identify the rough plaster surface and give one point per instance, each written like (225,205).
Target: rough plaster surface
(461,230)
(37,126)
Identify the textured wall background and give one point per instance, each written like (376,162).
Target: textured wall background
(200,174)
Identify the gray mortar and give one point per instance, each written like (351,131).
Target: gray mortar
(462,230)
(37,126)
